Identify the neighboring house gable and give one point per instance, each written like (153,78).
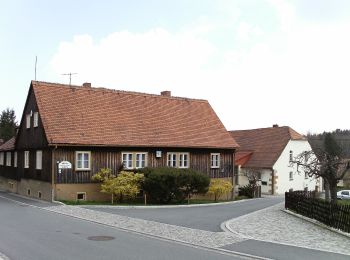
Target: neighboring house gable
(268,150)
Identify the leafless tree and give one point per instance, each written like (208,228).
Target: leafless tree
(324,164)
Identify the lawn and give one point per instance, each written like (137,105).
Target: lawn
(141,203)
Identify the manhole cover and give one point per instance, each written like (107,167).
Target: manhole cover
(100,238)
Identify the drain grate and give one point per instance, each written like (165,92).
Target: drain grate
(100,238)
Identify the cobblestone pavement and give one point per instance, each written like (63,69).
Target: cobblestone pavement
(182,234)
(274,225)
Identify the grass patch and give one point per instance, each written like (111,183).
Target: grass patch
(343,202)
(141,203)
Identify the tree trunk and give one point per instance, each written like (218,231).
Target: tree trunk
(326,190)
(333,191)
(112,198)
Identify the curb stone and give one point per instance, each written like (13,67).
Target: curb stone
(314,221)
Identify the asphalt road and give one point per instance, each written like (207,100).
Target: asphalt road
(30,233)
(204,218)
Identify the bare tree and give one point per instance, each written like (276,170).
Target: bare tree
(253,176)
(326,163)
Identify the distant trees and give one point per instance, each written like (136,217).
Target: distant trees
(342,137)
(8,124)
(327,162)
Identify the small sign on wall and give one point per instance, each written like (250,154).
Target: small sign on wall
(158,154)
(64,165)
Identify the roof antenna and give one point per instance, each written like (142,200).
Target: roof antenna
(70,76)
(36,61)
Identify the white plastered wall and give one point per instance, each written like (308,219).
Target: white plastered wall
(282,169)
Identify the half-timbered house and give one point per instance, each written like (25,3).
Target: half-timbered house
(68,133)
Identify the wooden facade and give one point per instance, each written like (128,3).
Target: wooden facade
(200,160)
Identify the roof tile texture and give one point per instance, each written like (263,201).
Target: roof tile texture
(9,145)
(97,116)
(267,144)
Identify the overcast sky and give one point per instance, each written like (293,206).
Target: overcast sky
(257,62)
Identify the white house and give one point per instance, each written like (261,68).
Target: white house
(268,152)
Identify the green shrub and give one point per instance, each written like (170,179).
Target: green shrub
(247,191)
(164,185)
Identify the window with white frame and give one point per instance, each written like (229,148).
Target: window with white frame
(127,160)
(179,160)
(140,160)
(132,160)
(28,120)
(172,159)
(215,160)
(26,159)
(36,119)
(290,176)
(39,160)
(183,160)
(15,159)
(1,158)
(82,161)
(8,159)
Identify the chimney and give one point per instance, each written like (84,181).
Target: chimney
(275,125)
(166,93)
(86,85)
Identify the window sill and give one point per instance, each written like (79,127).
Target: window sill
(82,170)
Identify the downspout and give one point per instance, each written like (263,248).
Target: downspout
(272,182)
(53,168)
(233,176)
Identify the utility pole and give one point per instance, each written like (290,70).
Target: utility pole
(70,76)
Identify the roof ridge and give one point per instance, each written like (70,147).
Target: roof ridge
(260,128)
(110,90)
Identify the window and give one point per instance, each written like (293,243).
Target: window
(127,160)
(26,159)
(290,176)
(306,176)
(290,156)
(39,160)
(344,193)
(183,160)
(36,119)
(82,161)
(264,183)
(8,159)
(15,159)
(1,158)
(180,160)
(134,160)
(215,160)
(140,160)
(81,195)
(28,120)
(171,159)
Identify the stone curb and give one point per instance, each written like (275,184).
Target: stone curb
(316,222)
(166,206)
(160,206)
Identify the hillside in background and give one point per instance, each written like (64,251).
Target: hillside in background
(341,136)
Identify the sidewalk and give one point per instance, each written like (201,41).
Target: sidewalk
(274,225)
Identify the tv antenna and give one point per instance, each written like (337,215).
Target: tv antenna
(70,76)
(36,61)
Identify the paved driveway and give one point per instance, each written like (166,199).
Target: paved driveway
(205,218)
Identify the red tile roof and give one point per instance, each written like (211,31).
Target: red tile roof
(267,144)
(75,115)
(9,145)
(242,157)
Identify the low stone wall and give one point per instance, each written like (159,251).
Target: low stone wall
(70,191)
(27,187)
(8,185)
(35,189)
